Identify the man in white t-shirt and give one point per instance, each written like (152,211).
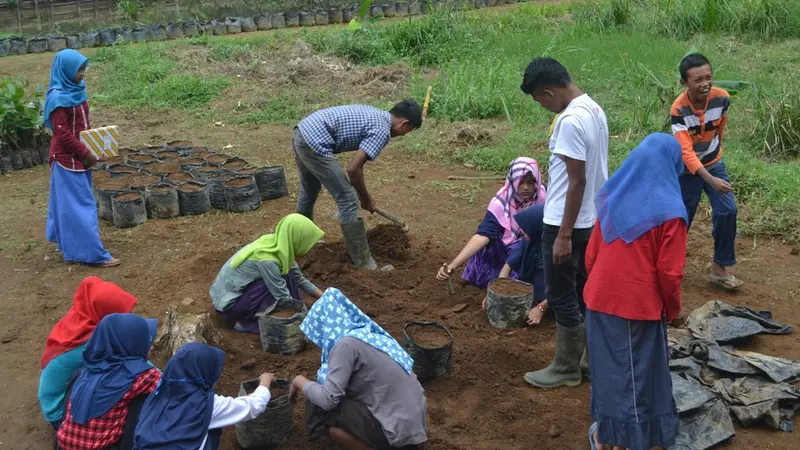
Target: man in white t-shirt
(578,168)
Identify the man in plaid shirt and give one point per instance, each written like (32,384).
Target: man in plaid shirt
(325,133)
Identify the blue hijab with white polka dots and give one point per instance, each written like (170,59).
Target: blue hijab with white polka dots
(334,316)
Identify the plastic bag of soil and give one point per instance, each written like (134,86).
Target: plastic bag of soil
(401,9)
(36,158)
(128,209)
(107,37)
(207,28)
(273,427)
(174,31)
(271,182)
(233,25)
(219,27)
(424,7)
(306,19)
(27,160)
(389,10)
(56,43)
(37,45)
(241,194)
(216,191)
(158,32)
(16,161)
(3,47)
(90,39)
(193,198)
(321,17)
(161,201)
(335,16)
(191,28)
(349,14)
(278,20)
(74,41)
(414,8)
(263,22)
(5,165)
(430,344)
(375,11)
(124,35)
(140,34)
(248,24)
(280,327)
(292,19)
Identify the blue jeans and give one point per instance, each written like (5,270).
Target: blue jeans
(723,211)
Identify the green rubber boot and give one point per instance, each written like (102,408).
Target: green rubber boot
(355,237)
(585,369)
(565,369)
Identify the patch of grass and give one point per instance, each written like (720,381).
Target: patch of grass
(468,192)
(145,76)
(284,109)
(626,58)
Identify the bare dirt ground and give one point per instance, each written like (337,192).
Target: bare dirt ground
(484,404)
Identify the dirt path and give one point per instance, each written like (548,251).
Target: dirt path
(483,405)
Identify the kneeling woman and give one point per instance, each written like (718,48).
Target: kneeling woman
(366,395)
(635,261)
(265,272)
(486,252)
(185,413)
(111,387)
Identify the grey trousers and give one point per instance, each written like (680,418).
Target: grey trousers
(316,171)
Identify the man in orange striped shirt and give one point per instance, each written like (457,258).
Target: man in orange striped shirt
(699,116)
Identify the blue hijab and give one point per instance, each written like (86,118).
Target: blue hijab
(63,91)
(643,193)
(526,258)
(113,358)
(334,316)
(176,416)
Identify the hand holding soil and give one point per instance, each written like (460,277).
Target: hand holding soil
(444,272)
(266,379)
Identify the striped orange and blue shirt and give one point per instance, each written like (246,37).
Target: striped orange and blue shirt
(700,132)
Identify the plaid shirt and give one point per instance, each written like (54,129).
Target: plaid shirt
(347,128)
(106,430)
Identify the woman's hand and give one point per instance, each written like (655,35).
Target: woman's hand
(297,385)
(483,304)
(266,379)
(536,313)
(444,272)
(90,161)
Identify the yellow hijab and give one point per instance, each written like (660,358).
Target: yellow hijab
(294,236)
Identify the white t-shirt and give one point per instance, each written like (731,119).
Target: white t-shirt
(580,132)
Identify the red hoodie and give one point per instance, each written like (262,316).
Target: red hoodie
(66,148)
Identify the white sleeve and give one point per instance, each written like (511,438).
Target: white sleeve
(230,411)
(571,139)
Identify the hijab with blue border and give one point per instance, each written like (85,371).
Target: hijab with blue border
(334,316)
(177,415)
(113,359)
(644,192)
(64,92)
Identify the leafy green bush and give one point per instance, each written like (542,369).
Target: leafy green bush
(20,116)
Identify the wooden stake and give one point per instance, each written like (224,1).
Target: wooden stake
(38,16)
(427,102)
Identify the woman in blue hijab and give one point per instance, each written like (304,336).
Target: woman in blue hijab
(115,374)
(635,260)
(72,211)
(366,394)
(185,413)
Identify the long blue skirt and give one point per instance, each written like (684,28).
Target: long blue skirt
(72,217)
(632,399)
(485,265)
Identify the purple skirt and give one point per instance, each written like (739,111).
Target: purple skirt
(255,299)
(485,265)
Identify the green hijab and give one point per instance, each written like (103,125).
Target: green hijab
(294,236)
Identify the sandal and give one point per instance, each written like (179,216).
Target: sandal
(592,431)
(728,283)
(113,262)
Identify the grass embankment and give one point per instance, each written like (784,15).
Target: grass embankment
(623,52)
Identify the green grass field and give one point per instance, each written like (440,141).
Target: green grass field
(623,52)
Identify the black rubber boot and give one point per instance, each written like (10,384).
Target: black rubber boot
(355,236)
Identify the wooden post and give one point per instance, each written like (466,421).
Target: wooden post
(80,16)
(177,10)
(19,16)
(52,20)
(96,12)
(38,16)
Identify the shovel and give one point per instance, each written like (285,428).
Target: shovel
(394,219)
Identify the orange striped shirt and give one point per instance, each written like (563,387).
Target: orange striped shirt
(700,132)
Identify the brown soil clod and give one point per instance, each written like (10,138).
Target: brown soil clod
(389,240)
(141,180)
(283,313)
(180,177)
(128,196)
(510,288)
(217,159)
(428,337)
(239,182)
(190,187)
